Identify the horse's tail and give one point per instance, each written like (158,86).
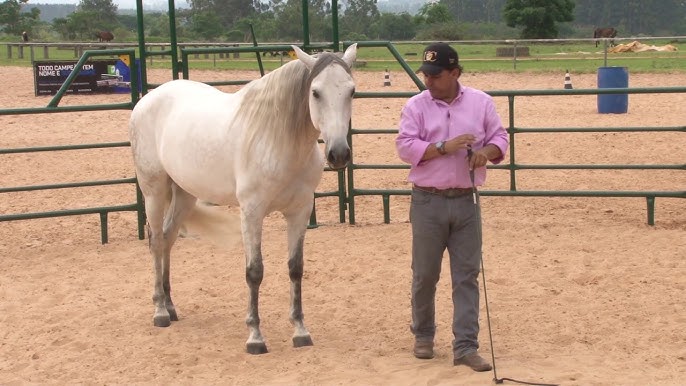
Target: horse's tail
(213,223)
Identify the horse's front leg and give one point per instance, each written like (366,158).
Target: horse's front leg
(297,224)
(251,226)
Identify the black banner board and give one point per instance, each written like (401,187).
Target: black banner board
(96,76)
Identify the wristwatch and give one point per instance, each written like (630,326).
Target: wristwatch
(440,146)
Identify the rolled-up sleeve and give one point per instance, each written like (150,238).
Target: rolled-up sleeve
(495,133)
(408,143)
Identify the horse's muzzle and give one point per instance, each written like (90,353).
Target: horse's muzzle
(338,158)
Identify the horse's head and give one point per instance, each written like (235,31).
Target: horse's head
(330,100)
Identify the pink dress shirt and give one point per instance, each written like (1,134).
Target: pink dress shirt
(425,121)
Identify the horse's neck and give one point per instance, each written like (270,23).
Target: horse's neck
(276,112)
(301,146)
(283,162)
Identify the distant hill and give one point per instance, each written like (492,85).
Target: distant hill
(49,12)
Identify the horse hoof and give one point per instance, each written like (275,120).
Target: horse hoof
(172,315)
(302,341)
(256,348)
(161,321)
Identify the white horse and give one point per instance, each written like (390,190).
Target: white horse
(256,148)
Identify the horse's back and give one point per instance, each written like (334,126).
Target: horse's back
(609,32)
(181,129)
(181,112)
(176,95)
(158,110)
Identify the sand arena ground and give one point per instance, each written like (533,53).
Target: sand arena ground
(581,290)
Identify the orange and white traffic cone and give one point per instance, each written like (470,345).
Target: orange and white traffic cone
(568,81)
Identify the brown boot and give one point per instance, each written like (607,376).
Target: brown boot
(423,349)
(474,361)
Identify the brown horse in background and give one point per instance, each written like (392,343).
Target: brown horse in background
(104,36)
(604,33)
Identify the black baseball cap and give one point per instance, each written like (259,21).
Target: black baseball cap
(438,57)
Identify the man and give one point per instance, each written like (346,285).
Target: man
(439,128)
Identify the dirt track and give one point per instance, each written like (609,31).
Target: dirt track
(581,290)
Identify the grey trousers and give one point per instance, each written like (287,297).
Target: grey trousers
(440,223)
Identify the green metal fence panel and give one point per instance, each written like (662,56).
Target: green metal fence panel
(53,107)
(347,189)
(103,211)
(513,166)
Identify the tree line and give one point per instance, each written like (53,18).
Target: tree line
(281,20)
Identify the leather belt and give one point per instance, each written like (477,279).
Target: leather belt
(449,193)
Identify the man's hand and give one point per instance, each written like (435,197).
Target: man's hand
(478,159)
(460,142)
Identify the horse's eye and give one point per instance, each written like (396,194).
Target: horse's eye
(315,94)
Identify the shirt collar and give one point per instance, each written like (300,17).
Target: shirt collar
(460,91)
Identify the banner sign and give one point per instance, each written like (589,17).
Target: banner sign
(96,76)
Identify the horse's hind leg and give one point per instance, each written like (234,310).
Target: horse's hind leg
(162,235)
(251,226)
(297,224)
(156,192)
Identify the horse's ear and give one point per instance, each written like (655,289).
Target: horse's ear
(304,57)
(350,55)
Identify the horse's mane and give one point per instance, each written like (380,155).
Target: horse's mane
(275,109)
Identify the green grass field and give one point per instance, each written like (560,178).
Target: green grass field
(476,57)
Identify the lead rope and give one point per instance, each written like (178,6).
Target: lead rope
(477,211)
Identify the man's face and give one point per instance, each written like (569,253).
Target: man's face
(443,85)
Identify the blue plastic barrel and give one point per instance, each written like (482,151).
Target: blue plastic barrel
(613,77)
